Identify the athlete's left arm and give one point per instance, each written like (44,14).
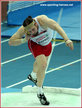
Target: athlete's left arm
(55,26)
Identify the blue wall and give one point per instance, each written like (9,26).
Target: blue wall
(70,20)
(17,17)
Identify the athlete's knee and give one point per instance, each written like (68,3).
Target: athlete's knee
(41,61)
(43,65)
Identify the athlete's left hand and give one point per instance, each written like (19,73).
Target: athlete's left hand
(69,43)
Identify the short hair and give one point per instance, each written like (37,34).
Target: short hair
(27,21)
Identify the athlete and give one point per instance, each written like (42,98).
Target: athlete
(38,33)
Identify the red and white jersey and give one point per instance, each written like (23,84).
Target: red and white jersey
(44,36)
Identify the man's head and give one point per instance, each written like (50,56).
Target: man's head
(30,26)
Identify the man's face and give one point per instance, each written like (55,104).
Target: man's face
(33,30)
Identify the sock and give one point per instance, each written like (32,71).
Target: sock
(40,91)
(33,74)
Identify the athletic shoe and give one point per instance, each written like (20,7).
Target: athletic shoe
(33,80)
(43,99)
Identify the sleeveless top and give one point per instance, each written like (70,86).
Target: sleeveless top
(44,36)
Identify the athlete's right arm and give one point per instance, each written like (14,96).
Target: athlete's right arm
(16,38)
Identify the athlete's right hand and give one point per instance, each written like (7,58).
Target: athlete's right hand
(27,37)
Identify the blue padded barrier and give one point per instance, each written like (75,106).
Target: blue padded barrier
(70,20)
(17,17)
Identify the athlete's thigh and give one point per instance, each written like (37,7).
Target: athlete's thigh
(47,58)
(41,59)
